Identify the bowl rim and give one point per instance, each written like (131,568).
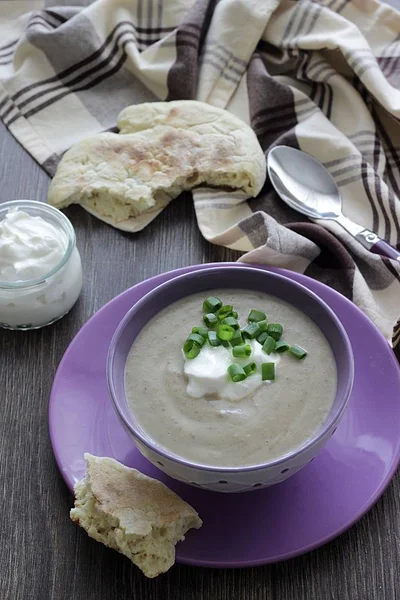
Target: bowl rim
(160,450)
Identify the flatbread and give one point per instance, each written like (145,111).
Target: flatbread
(163,149)
(132,513)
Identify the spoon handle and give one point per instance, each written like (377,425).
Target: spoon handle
(376,245)
(367,238)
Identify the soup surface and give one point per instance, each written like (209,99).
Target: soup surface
(275,418)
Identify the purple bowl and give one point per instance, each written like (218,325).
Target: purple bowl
(222,478)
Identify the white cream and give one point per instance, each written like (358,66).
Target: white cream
(208,373)
(30,248)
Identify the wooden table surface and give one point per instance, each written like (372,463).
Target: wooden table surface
(43,555)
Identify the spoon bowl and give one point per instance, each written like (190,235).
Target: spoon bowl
(303,183)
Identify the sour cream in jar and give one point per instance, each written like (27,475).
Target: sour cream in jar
(40,266)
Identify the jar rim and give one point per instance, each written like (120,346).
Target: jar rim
(63,221)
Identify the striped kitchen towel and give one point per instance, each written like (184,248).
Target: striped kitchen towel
(321,76)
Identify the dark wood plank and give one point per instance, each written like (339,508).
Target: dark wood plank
(43,555)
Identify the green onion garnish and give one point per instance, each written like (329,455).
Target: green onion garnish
(250,369)
(197,339)
(212,304)
(231,321)
(225,311)
(200,330)
(268,371)
(225,332)
(297,352)
(269,345)
(224,319)
(210,319)
(191,349)
(213,338)
(237,338)
(251,330)
(256,315)
(281,346)
(263,325)
(275,330)
(262,337)
(243,351)
(236,372)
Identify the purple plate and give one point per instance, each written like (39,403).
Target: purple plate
(259,527)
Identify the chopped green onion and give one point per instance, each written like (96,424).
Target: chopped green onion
(200,330)
(210,319)
(263,325)
(243,351)
(256,315)
(250,369)
(213,338)
(225,311)
(231,321)
(236,372)
(275,330)
(262,337)
(225,332)
(224,343)
(297,352)
(237,338)
(235,314)
(191,349)
(251,330)
(211,305)
(197,339)
(281,346)
(268,371)
(269,345)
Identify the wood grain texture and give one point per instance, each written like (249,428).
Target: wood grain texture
(43,556)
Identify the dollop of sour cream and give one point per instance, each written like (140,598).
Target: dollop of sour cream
(208,373)
(30,247)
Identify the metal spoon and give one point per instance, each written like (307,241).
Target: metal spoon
(306,186)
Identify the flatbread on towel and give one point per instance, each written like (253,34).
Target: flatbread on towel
(163,149)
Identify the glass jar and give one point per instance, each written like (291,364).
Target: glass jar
(34,303)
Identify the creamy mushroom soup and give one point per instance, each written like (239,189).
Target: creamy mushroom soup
(190,399)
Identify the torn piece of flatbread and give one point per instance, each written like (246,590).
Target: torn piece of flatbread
(163,149)
(132,513)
